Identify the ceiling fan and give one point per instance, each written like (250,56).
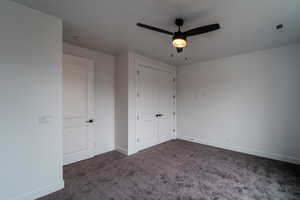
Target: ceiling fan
(179,39)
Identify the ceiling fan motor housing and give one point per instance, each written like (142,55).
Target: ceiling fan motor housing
(179,35)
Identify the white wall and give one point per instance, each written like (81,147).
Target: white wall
(121,100)
(31,103)
(105,100)
(248,103)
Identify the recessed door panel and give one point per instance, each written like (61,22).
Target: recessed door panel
(75,140)
(75,91)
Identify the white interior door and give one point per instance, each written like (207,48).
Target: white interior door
(166,120)
(147,106)
(78,109)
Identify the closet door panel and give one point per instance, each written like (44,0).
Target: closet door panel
(147,107)
(166,106)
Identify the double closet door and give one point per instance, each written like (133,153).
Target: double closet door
(155,107)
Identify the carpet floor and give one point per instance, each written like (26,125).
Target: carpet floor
(180,170)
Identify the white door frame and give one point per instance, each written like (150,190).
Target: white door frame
(90,105)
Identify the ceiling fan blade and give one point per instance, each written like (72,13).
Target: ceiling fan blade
(152,28)
(202,30)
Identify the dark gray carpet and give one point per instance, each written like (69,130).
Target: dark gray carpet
(179,170)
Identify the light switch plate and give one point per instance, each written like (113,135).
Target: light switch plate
(45,119)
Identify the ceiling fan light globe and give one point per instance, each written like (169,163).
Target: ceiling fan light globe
(179,43)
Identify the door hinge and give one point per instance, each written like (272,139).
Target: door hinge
(174,96)
(173,130)
(138,72)
(138,94)
(137,117)
(174,79)
(174,113)
(137,140)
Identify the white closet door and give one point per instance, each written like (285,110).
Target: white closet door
(166,107)
(78,108)
(147,107)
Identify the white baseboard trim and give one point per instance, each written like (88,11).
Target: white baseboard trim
(122,150)
(272,156)
(40,192)
(97,153)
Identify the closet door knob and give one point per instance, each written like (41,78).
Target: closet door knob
(160,115)
(90,121)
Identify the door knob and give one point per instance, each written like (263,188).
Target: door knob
(157,115)
(90,121)
(160,115)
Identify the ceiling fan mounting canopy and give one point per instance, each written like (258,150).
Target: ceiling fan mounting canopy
(179,39)
(179,22)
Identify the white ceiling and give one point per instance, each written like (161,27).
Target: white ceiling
(110,25)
